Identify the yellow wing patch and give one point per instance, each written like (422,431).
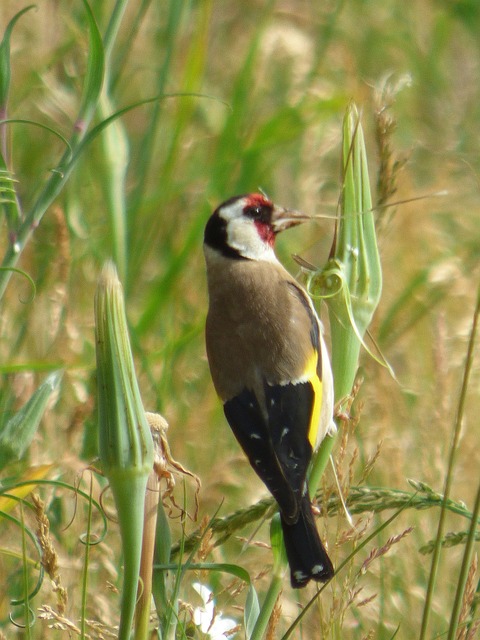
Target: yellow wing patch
(312,376)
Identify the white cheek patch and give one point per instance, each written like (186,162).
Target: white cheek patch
(242,235)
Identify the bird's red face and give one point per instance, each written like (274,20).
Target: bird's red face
(259,209)
(246,226)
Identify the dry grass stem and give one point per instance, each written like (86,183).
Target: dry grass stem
(385,125)
(206,545)
(464,630)
(370,463)
(49,554)
(98,631)
(356,532)
(381,551)
(365,601)
(275,618)
(59,622)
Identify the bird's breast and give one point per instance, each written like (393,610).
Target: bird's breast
(256,330)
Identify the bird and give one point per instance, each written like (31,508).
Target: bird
(269,365)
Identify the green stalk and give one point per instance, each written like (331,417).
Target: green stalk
(125,441)
(276,584)
(446,494)
(26,599)
(86,564)
(116,151)
(472,533)
(113,28)
(115,156)
(274,590)
(466,564)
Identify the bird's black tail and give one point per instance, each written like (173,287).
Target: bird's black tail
(306,554)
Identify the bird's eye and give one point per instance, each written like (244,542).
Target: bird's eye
(258,212)
(253,212)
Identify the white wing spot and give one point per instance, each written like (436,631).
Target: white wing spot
(299,576)
(255,436)
(284,433)
(318,568)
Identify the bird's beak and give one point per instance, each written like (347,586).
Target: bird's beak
(285,218)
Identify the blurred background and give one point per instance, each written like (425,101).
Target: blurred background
(249,96)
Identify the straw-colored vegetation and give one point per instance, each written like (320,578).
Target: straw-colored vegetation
(221,98)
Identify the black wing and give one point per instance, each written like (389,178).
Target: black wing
(277,447)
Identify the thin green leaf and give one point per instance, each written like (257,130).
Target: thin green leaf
(95,131)
(5,71)
(252,610)
(18,432)
(456,430)
(40,125)
(91,92)
(142,166)
(6,490)
(94,76)
(472,533)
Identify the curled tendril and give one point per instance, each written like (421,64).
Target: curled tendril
(41,126)
(30,281)
(56,483)
(88,539)
(31,535)
(93,541)
(109,516)
(313,279)
(31,620)
(336,272)
(62,485)
(97,505)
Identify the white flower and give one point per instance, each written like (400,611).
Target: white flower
(208,620)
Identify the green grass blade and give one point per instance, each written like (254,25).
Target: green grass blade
(457,426)
(93,82)
(91,92)
(17,434)
(5,69)
(11,207)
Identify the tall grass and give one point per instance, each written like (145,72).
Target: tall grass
(202,101)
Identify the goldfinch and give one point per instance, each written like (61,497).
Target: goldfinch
(269,365)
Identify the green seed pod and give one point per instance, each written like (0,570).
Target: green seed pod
(351,281)
(125,441)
